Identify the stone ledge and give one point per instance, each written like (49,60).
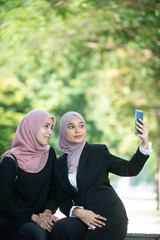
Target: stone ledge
(142,236)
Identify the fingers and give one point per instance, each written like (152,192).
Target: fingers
(41,215)
(45,214)
(55,218)
(46,220)
(142,128)
(140,125)
(91,226)
(95,224)
(46,227)
(100,217)
(96,221)
(46,223)
(91,219)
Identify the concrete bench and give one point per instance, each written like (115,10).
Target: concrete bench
(142,236)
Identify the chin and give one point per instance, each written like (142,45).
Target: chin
(78,141)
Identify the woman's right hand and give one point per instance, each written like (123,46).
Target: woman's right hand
(44,221)
(48,213)
(89,218)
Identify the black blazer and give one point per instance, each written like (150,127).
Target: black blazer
(94,190)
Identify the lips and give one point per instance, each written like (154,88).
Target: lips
(78,136)
(47,138)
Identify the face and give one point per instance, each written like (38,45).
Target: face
(45,132)
(76,130)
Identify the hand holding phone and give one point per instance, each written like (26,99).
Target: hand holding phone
(138,115)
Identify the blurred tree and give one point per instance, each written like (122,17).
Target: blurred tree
(5,141)
(101,58)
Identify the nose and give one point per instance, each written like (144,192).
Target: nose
(50,131)
(76,129)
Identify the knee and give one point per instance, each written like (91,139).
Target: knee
(36,235)
(61,225)
(40,235)
(68,228)
(31,231)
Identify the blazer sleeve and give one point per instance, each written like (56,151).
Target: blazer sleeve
(65,193)
(51,202)
(65,201)
(124,167)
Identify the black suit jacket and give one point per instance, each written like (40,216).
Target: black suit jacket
(94,190)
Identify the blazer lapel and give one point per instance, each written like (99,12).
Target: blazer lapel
(82,168)
(64,169)
(81,172)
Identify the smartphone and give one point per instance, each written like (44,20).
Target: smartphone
(138,114)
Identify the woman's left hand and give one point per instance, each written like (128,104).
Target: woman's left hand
(141,127)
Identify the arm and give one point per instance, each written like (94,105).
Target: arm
(67,207)
(8,204)
(64,201)
(51,205)
(52,202)
(123,167)
(91,219)
(145,145)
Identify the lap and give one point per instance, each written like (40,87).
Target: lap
(31,230)
(10,227)
(68,228)
(115,233)
(73,228)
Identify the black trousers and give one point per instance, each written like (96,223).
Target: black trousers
(31,231)
(71,228)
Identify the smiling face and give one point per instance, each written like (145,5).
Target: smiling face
(76,130)
(45,132)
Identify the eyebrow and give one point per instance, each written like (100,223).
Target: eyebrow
(73,123)
(48,123)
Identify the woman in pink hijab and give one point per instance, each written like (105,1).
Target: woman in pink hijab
(27,205)
(85,195)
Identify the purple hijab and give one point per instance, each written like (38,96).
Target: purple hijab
(72,149)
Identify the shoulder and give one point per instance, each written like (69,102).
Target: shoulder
(63,156)
(7,160)
(95,147)
(61,161)
(7,165)
(52,152)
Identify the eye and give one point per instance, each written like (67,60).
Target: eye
(82,125)
(46,125)
(70,127)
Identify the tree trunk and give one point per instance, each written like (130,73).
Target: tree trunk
(158,159)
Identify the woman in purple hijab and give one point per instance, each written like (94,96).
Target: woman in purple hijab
(85,195)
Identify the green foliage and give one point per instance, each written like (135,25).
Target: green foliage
(100,58)
(5,142)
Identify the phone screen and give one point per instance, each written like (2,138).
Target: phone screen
(138,114)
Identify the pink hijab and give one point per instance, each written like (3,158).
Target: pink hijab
(31,156)
(73,150)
